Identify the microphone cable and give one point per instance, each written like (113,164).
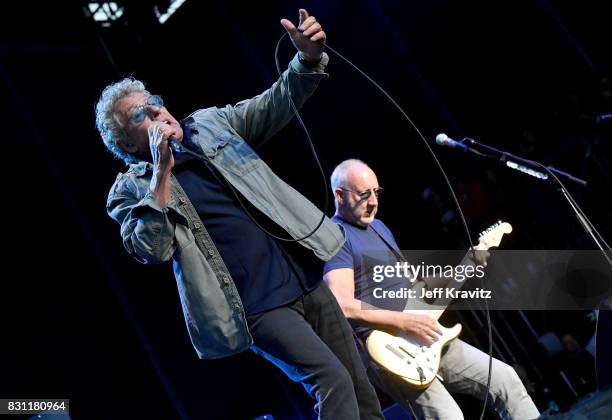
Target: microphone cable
(438,164)
(180,148)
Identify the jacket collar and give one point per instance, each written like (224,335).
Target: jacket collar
(140,168)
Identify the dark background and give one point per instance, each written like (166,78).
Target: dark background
(81,320)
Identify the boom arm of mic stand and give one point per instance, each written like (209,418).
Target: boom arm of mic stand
(503,156)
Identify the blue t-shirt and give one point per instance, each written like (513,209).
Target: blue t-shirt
(362,251)
(267,274)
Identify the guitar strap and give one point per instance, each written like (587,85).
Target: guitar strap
(390,246)
(419,283)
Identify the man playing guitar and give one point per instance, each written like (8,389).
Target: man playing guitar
(462,368)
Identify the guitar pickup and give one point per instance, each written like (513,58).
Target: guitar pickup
(394,351)
(406,351)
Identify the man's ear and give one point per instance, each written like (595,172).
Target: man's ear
(127,146)
(338,195)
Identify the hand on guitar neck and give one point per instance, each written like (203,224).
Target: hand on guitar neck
(489,238)
(482,254)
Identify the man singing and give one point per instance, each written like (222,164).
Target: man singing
(239,287)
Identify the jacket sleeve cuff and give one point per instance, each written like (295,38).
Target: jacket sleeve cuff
(298,67)
(150,200)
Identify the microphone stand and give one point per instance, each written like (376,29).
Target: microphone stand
(529,167)
(504,156)
(533,168)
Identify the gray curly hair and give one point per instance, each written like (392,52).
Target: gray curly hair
(108,121)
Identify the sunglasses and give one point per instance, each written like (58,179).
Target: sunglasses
(364,195)
(141,111)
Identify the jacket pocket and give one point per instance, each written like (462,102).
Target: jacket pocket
(184,238)
(231,152)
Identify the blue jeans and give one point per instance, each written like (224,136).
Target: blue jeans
(311,341)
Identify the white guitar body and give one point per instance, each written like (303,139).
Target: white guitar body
(403,355)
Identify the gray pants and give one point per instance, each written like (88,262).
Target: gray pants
(464,369)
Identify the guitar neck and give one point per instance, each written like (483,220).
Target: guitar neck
(438,307)
(488,239)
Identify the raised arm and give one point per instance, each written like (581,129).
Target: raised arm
(259,118)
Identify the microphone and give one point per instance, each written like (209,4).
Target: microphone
(178,147)
(602,118)
(175,145)
(443,140)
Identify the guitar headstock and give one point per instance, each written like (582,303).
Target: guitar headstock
(492,236)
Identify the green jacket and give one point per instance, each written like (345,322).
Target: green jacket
(212,307)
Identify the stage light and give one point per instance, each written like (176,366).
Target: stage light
(104,12)
(173,7)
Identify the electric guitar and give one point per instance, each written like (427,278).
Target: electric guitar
(403,354)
